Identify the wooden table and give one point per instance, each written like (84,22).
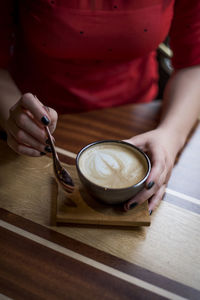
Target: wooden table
(162,261)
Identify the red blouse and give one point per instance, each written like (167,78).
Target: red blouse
(78,55)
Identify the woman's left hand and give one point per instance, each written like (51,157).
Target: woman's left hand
(162,148)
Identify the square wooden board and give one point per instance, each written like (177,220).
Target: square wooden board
(80,208)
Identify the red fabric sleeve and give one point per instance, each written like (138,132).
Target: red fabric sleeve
(185,34)
(6,31)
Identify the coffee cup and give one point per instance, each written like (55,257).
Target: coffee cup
(112,171)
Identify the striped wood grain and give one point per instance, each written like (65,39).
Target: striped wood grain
(104,262)
(170,247)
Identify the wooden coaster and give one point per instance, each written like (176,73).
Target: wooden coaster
(80,208)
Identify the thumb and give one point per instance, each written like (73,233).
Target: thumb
(137,141)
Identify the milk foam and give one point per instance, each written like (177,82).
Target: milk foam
(112,165)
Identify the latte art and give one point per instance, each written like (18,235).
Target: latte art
(112,165)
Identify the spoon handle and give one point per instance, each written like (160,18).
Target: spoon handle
(51,142)
(56,160)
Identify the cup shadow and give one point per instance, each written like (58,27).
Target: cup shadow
(99,206)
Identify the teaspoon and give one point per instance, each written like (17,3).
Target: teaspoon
(61,174)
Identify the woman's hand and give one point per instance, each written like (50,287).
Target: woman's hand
(25,126)
(162,148)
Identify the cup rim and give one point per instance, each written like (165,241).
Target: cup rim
(120,142)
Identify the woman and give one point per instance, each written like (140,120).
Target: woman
(83,55)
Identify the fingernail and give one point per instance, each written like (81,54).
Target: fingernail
(47,149)
(42,153)
(149,185)
(132,205)
(45,120)
(150,212)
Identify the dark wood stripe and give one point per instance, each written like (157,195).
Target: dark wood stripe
(100,256)
(32,271)
(182,203)
(66,159)
(76,130)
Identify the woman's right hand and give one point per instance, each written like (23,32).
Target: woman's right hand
(25,126)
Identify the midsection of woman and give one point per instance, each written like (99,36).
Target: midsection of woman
(83,55)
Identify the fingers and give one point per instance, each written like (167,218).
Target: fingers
(25,138)
(25,123)
(32,104)
(158,173)
(141,197)
(155,200)
(137,141)
(155,195)
(26,126)
(162,161)
(155,181)
(42,116)
(22,149)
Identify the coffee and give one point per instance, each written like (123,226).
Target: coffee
(113,165)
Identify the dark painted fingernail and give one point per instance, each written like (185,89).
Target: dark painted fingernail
(150,184)
(42,153)
(3,135)
(134,204)
(45,120)
(150,212)
(47,149)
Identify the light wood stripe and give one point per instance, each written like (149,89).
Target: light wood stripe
(91,262)
(65,152)
(183,196)
(183,209)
